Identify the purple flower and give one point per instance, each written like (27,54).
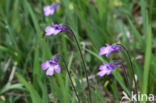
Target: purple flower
(50,9)
(55,29)
(51,66)
(51,31)
(109,49)
(106,69)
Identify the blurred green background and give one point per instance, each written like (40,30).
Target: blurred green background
(24,46)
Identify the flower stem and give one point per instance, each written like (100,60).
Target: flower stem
(126,74)
(83,62)
(135,81)
(70,78)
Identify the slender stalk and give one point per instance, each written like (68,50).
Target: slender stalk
(70,78)
(126,74)
(83,62)
(135,81)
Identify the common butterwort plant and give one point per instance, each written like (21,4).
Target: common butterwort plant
(106,69)
(53,65)
(54,29)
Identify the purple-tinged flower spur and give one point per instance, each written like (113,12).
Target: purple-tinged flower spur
(109,49)
(51,66)
(55,29)
(50,9)
(106,69)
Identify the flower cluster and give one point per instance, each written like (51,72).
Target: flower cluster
(106,69)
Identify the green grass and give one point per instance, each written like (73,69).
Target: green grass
(95,23)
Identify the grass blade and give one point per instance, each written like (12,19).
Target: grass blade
(147,61)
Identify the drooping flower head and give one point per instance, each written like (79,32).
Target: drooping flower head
(51,66)
(106,69)
(50,9)
(55,29)
(109,49)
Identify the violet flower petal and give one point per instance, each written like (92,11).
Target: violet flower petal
(50,71)
(101,73)
(101,67)
(45,65)
(57,69)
